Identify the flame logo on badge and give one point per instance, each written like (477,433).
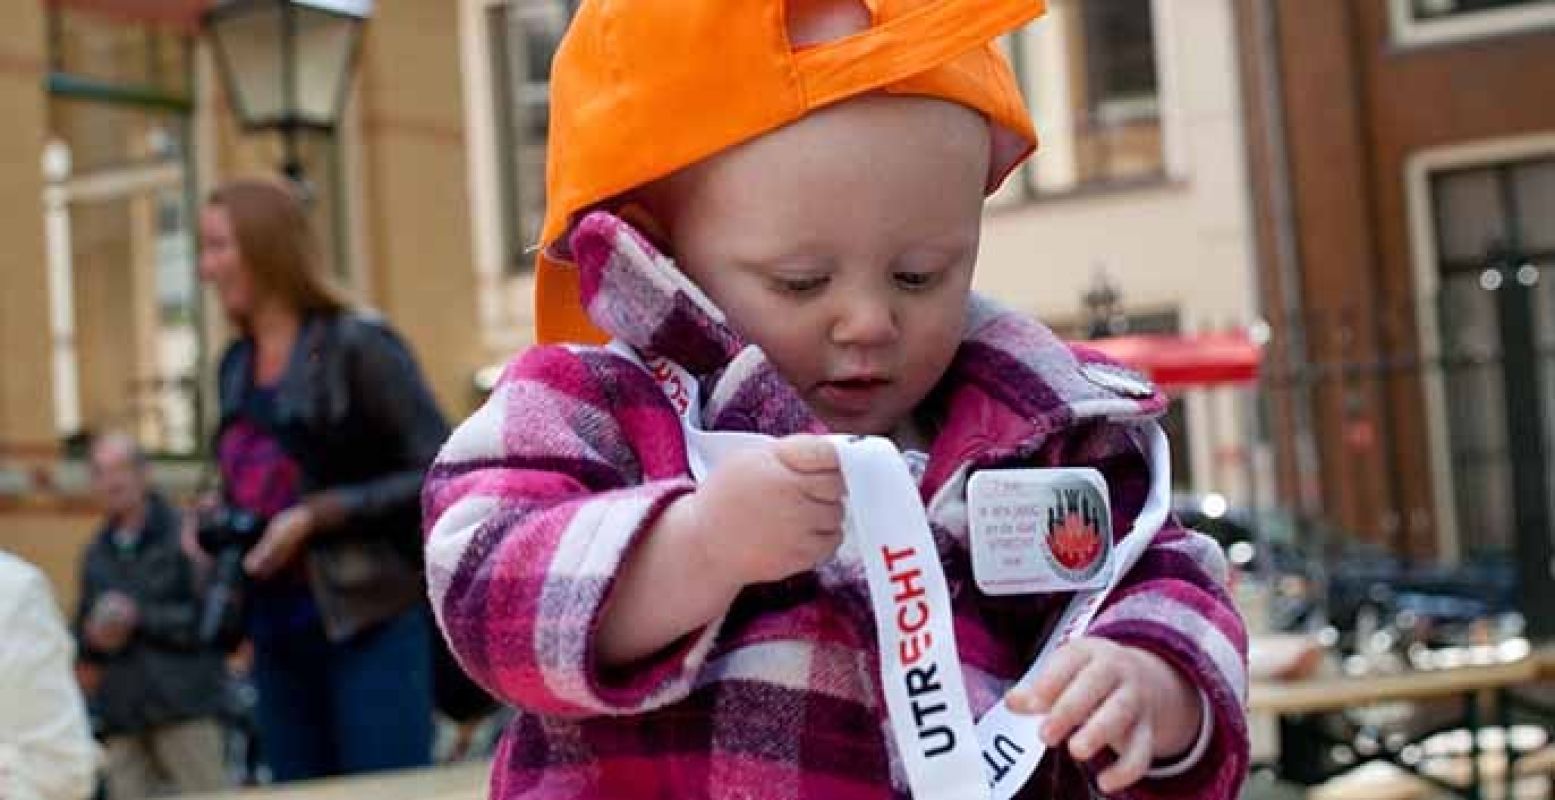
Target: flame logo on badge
(1074,535)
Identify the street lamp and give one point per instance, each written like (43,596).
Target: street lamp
(287,63)
(1103,304)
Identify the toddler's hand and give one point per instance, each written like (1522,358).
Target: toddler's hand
(1098,694)
(769,513)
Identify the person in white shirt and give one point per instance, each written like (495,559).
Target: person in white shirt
(46,746)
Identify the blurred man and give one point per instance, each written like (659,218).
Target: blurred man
(160,689)
(46,747)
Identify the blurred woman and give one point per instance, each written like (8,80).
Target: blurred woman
(326,430)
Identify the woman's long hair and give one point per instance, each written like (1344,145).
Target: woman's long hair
(278,245)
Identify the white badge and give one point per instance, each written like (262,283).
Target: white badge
(1039,530)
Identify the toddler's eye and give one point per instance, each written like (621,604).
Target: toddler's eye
(796,285)
(916,281)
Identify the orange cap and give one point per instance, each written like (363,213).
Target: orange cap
(643,88)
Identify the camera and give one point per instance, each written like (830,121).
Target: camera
(226,533)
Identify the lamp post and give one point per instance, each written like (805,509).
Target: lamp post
(287,64)
(1103,304)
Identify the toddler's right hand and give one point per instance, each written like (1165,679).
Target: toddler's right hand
(768,513)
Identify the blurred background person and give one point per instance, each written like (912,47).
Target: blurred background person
(46,746)
(159,688)
(327,427)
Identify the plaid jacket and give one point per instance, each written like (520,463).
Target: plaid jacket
(538,497)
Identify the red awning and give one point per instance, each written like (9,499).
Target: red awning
(1180,362)
(181,14)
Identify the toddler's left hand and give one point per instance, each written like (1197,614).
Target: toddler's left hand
(1098,694)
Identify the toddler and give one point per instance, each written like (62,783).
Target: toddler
(773,209)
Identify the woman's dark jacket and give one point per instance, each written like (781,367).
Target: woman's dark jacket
(354,412)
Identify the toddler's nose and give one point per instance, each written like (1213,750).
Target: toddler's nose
(865,322)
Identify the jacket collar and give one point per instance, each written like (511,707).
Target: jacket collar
(1011,385)
(160,523)
(236,373)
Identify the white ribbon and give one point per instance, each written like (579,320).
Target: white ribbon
(944,754)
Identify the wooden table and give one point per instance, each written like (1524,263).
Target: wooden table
(1512,705)
(1337,693)
(1308,709)
(1544,660)
(460,782)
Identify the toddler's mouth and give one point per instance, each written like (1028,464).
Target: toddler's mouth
(858,381)
(854,395)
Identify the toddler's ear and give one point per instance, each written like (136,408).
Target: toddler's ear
(644,222)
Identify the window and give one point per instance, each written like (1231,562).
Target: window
(103,52)
(1090,70)
(1441,9)
(524,35)
(1483,214)
(1433,21)
(124,299)
(1119,129)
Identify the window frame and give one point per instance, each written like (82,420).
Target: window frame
(1037,184)
(179,174)
(1426,262)
(1409,31)
(516,141)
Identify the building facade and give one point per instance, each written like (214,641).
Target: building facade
(1403,156)
(117,126)
(1140,190)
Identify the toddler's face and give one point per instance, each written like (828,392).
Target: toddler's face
(843,246)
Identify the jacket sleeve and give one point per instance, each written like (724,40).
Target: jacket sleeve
(46,746)
(530,510)
(388,388)
(171,624)
(90,590)
(174,622)
(1174,604)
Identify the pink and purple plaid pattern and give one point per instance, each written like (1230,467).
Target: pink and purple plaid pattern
(537,498)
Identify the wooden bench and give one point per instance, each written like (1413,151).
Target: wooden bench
(1374,781)
(1531,775)
(1380,781)
(1304,703)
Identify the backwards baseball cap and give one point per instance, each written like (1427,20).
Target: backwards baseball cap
(643,88)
